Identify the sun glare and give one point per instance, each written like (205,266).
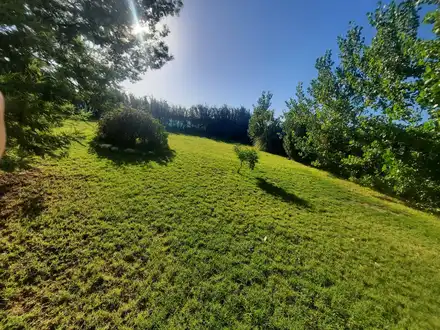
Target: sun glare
(137,28)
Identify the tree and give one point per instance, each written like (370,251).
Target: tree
(319,127)
(298,121)
(246,155)
(361,118)
(392,70)
(225,122)
(264,129)
(429,56)
(57,53)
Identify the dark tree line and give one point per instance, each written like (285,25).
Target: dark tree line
(224,123)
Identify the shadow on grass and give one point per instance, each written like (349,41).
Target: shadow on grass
(22,194)
(270,188)
(33,206)
(120,158)
(202,134)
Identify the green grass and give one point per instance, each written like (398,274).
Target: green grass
(188,243)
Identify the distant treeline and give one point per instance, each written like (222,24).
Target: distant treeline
(224,123)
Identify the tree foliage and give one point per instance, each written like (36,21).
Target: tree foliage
(129,128)
(57,55)
(246,155)
(429,57)
(362,118)
(225,122)
(264,129)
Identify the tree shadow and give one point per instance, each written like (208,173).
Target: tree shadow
(206,135)
(12,164)
(33,206)
(119,158)
(392,198)
(281,193)
(22,194)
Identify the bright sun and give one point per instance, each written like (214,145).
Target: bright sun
(137,28)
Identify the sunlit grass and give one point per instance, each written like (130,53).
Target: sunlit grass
(189,243)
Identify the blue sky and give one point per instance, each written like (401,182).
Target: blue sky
(229,51)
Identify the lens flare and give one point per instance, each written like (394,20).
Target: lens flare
(137,27)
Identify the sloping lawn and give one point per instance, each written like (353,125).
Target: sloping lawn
(186,242)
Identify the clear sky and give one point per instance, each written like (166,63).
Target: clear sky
(229,51)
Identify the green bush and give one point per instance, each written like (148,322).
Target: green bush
(128,128)
(246,155)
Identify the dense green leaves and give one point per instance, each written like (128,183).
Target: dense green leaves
(36,101)
(264,129)
(224,122)
(362,118)
(57,53)
(128,128)
(429,56)
(246,155)
(392,70)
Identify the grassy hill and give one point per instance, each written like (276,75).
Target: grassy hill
(185,242)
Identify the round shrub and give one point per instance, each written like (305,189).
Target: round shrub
(129,128)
